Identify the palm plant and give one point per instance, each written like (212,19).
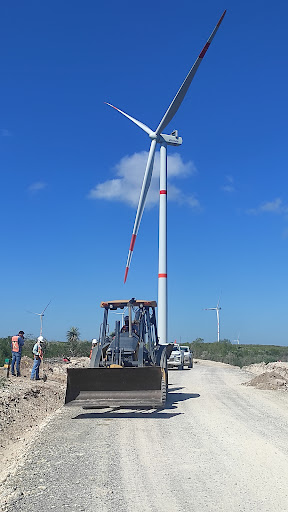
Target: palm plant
(73,338)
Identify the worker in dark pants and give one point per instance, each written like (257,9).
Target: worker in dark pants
(38,356)
(17,343)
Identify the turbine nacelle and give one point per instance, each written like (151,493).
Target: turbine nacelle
(171,140)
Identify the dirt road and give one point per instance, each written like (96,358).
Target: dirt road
(218,446)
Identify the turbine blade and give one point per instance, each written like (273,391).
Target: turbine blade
(141,125)
(46,307)
(172,109)
(141,204)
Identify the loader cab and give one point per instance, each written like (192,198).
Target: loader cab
(128,347)
(137,337)
(132,339)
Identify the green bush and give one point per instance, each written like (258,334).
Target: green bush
(238,355)
(5,349)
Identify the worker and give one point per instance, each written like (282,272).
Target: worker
(94,344)
(125,327)
(17,343)
(38,356)
(135,327)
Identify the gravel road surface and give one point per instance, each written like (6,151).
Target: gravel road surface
(218,446)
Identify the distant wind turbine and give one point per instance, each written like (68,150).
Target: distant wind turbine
(41,316)
(217,309)
(238,339)
(122,316)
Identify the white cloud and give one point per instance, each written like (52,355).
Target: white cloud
(38,185)
(275,206)
(5,133)
(229,186)
(126,186)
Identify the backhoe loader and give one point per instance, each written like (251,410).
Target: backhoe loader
(128,367)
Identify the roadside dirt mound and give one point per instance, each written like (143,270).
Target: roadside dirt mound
(25,404)
(268,376)
(269,380)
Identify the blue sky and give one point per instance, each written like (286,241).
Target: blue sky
(71,167)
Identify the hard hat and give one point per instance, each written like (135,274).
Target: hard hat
(40,338)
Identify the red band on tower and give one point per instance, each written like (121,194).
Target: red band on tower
(162,275)
(163,191)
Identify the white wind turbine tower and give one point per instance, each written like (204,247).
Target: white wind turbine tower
(164,140)
(122,316)
(41,316)
(217,309)
(238,339)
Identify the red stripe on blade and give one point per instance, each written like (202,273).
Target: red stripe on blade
(162,275)
(220,21)
(163,191)
(126,273)
(133,239)
(201,55)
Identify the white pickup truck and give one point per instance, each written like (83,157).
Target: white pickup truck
(176,358)
(188,356)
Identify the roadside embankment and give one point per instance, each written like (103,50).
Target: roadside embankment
(26,404)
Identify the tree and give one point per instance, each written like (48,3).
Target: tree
(5,349)
(73,338)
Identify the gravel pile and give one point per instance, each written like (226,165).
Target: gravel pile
(268,376)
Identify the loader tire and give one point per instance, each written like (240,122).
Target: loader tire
(163,392)
(164,387)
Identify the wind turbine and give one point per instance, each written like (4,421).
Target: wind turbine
(164,140)
(217,309)
(238,339)
(122,316)
(41,316)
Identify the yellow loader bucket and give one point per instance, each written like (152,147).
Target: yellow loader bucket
(116,387)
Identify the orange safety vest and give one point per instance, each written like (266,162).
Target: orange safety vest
(15,344)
